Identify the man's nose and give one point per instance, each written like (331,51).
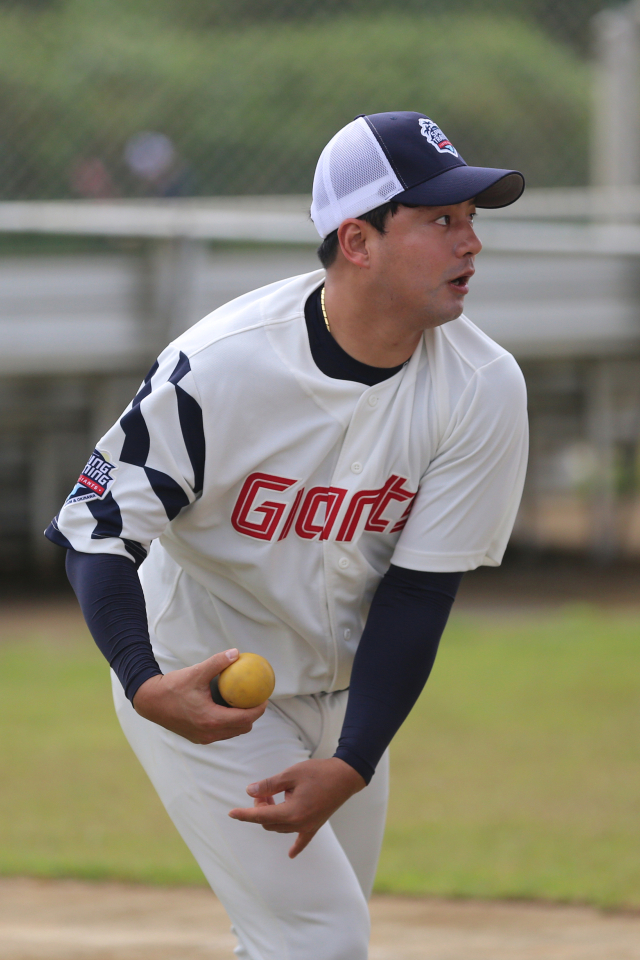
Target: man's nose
(469,244)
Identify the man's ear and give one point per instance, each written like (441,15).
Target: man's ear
(353,237)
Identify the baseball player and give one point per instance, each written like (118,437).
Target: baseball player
(306,474)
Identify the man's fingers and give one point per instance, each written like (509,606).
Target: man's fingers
(236,722)
(264,802)
(301,842)
(267,815)
(271,786)
(242,715)
(314,789)
(210,668)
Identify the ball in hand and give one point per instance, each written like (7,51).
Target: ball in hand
(247,682)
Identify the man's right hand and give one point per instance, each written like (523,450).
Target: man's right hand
(181,702)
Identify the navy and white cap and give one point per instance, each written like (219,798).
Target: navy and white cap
(401,156)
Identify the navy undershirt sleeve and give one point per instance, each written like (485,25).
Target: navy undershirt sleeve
(393,661)
(111,598)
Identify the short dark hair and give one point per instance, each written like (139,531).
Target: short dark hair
(328,249)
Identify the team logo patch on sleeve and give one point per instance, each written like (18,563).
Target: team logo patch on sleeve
(94,481)
(436,137)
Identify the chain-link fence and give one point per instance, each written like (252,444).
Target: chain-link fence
(107,98)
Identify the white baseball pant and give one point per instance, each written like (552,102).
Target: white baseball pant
(310,908)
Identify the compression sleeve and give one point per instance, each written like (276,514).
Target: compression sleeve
(112,601)
(393,661)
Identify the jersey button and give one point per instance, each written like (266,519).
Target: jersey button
(343,562)
(347,634)
(372,401)
(356,467)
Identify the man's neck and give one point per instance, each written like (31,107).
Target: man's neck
(366,326)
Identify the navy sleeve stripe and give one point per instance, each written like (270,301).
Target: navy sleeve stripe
(135,550)
(137,443)
(169,493)
(108,517)
(190,414)
(152,372)
(145,390)
(141,394)
(181,369)
(54,534)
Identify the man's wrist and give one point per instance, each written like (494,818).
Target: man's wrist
(350,774)
(145,692)
(350,759)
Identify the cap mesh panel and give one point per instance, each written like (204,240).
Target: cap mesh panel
(320,194)
(352,177)
(354,162)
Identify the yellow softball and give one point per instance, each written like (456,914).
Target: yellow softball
(247,681)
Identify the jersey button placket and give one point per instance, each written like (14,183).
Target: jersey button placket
(353,445)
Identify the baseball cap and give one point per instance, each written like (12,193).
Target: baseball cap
(402,156)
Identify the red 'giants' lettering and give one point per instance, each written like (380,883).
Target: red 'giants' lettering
(392,490)
(292,514)
(310,523)
(306,527)
(377,501)
(272,510)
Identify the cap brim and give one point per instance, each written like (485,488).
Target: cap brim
(489,186)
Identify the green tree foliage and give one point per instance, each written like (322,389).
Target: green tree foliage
(565,19)
(250,104)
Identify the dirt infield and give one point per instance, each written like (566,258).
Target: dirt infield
(69,920)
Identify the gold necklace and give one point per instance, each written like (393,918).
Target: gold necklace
(324,312)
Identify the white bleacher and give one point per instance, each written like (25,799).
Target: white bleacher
(542,287)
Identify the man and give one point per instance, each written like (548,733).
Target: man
(313,467)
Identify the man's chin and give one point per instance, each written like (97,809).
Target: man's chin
(447,315)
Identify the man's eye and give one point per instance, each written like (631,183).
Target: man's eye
(445,219)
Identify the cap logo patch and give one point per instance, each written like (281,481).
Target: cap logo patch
(436,137)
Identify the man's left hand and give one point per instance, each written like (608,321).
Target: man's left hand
(313,791)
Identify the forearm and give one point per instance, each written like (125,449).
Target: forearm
(394,659)
(112,601)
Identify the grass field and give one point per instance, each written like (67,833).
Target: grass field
(517,775)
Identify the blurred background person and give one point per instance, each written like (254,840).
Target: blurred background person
(154,162)
(90,178)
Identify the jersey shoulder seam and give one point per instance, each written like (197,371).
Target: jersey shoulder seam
(263,308)
(465,359)
(247,329)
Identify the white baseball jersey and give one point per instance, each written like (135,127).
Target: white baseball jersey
(284,494)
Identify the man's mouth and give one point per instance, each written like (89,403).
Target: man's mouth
(461,282)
